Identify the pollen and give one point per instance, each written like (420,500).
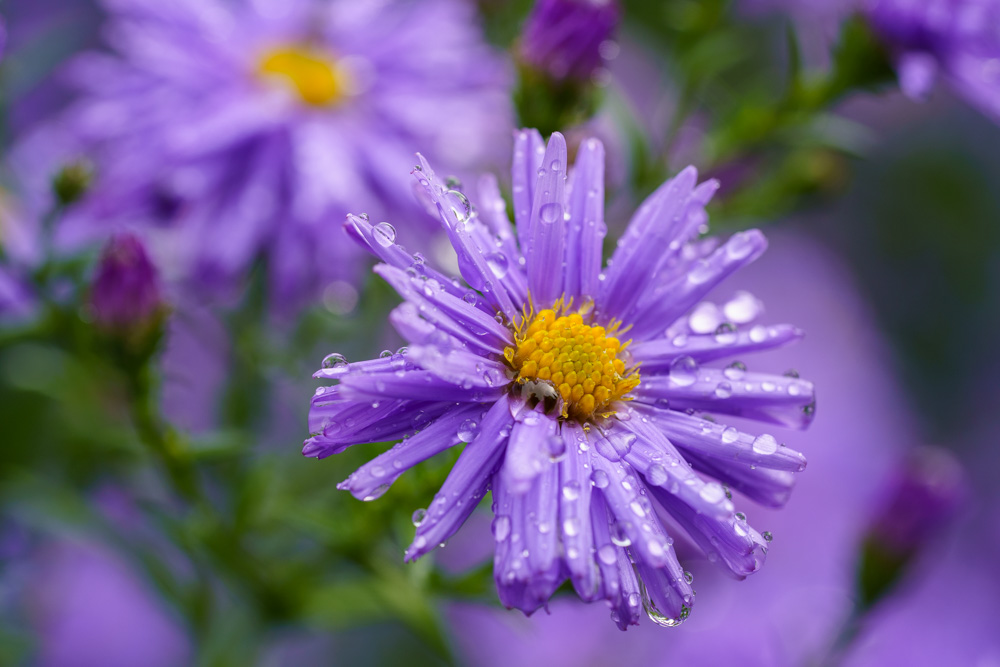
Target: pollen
(311,73)
(584,363)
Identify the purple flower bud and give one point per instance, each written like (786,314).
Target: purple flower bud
(125,297)
(568,38)
(924,494)
(919,500)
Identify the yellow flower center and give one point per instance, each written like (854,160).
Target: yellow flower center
(582,362)
(314,75)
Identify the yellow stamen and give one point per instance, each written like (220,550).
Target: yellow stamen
(314,75)
(580,361)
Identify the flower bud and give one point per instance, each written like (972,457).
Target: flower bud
(125,298)
(565,38)
(920,499)
(72,181)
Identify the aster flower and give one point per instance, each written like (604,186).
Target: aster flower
(237,129)
(585,438)
(956,39)
(564,38)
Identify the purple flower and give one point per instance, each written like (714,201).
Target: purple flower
(956,39)
(583,437)
(564,38)
(923,494)
(237,130)
(125,297)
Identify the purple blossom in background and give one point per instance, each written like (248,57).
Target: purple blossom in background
(582,438)
(91,610)
(564,38)
(958,40)
(125,297)
(240,130)
(923,494)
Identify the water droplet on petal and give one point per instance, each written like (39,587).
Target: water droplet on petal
(765,444)
(600,479)
(657,475)
(498,264)
(550,212)
(684,371)
(501,528)
(419,516)
(607,555)
(730,435)
(385,234)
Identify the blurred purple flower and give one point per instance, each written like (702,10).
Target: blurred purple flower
(957,39)
(239,130)
(923,494)
(565,38)
(125,297)
(581,438)
(91,610)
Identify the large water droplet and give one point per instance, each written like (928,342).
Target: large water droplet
(743,308)
(607,555)
(551,212)
(619,535)
(705,318)
(735,370)
(765,444)
(600,479)
(712,492)
(730,435)
(657,475)
(467,431)
(385,234)
(684,371)
(419,516)
(571,490)
(335,360)
(571,527)
(498,264)
(501,528)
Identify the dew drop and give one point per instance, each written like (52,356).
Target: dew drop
(550,212)
(385,234)
(735,370)
(501,528)
(571,490)
(600,479)
(765,444)
(684,371)
(607,555)
(467,431)
(730,435)
(419,516)
(498,264)
(335,360)
(657,475)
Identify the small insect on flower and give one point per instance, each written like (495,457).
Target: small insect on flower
(581,396)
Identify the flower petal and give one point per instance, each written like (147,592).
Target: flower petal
(466,484)
(586,228)
(663,305)
(574,515)
(528,151)
(775,399)
(657,355)
(373,478)
(546,241)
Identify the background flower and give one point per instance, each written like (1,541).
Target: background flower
(239,131)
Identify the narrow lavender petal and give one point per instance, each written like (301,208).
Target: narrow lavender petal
(466,483)
(505,268)
(528,451)
(528,151)
(415,385)
(374,478)
(718,441)
(478,331)
(407,320)
(510,572)
(546,241)
(541,537)
(494,213)
(659,354)
(382,364)
(393,254)
(618,582)
(770,488)
(574,515)
(586,228)
(330,411)
(643,245)
(775,399)
(465,369)
(456,213)
(632,513)
(342,424)
(670,301)
(730,541)
(650,453)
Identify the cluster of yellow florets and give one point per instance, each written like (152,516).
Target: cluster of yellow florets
(581,361)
